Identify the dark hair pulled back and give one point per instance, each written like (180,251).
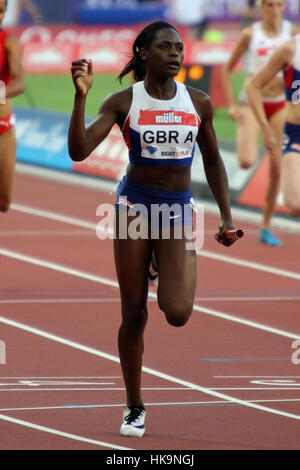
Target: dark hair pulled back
(136,65)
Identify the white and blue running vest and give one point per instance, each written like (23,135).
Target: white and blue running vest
(292,76)
(161,132)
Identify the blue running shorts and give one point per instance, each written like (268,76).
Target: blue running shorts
(291,138)
(161,207)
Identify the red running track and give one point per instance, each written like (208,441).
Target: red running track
(224,381)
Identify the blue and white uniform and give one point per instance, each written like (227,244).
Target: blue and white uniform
(291,135)
(159,133)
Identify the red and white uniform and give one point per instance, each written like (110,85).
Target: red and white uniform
(4,70)
(7,122)
(260,50)
(161,132)
(262,46)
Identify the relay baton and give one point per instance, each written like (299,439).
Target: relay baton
(228,237)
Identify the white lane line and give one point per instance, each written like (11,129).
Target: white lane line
(176,403)
(155,389)
(247,299)
(58,267)
(148,370)
(56,432)
(60,378)
(54,216)
(257,376)
(41,383)
(203,253)
(274,389)
(106,186)
(57,301)
(249,264)
(117,299)
(39,233)
(103,389)
(111,283)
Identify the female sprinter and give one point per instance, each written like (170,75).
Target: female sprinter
(12,84)
(286,58)
(160,119)
(259,41)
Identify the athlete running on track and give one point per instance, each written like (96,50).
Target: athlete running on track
(12,84)
(160,119)
(259,41)
(286,58)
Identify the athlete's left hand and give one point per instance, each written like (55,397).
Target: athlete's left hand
(228,234)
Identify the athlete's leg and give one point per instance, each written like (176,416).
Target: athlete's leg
(247,137)
(8,148)
(275,158)
(132,258)
(176,278)
(290,182)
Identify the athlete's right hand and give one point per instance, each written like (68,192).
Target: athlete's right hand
(233,112)
(82,75)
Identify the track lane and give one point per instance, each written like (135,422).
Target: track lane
(208,337)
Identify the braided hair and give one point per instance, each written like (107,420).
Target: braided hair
(136,65)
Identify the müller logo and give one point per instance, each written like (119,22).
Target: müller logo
(168,118)
(160,117)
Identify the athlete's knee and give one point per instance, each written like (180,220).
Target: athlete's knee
(4,205)
(295,213)
(245,165)
(134,314)
(177,321)
(294,210)
(292,203)
(177,315)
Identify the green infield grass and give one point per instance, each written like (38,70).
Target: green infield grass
(56,93)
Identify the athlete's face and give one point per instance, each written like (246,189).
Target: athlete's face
(272,8)
(165,53)
(2,10)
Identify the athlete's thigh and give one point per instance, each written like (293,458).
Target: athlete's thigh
(247,137)
(291,178)
(132,259)
(8,147)
(177,271)
(277,123)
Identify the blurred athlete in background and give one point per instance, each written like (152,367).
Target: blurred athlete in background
(12,84)
(14,9)
(259,41)
(194,14)
(286,58)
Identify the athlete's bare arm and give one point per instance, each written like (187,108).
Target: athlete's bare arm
(295,29)
(32,9)
(241,47)
(213,164)
(83,140)
(14,58)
